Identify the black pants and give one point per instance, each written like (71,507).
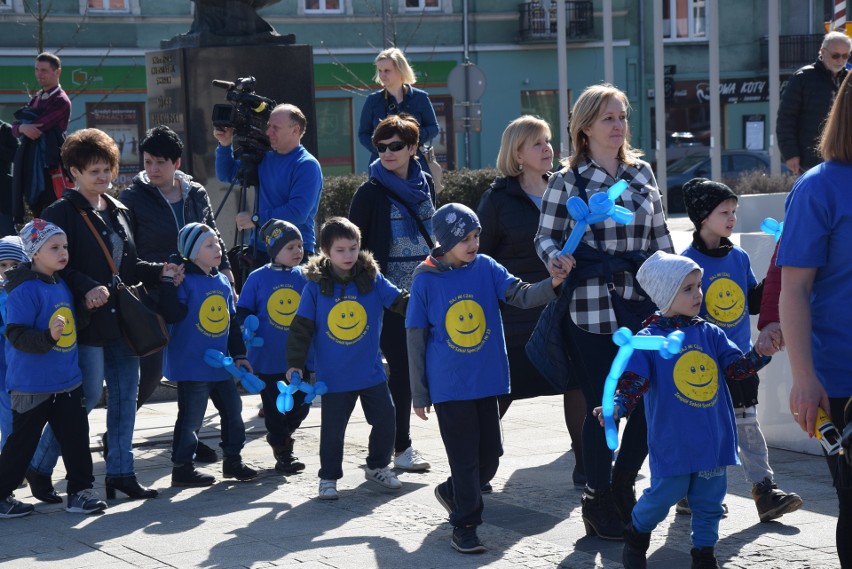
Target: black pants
(150,374)
(841,475)
(395,349)
(279,426)
(66,415)
(593,355)
(474,444)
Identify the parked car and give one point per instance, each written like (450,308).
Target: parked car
(734,163)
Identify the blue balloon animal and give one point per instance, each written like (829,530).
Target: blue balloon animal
(285,402)
(601,206)
(668,346)
(250,326)
(216,359)
(773,227)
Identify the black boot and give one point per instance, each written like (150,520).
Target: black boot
(187,476)
(42,487)
(635,547)
(624,494)
(704,558)
(233,467)
(128,485)
(205,454)
(599,515)
(285,461)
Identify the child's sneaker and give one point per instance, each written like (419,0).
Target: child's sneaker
(327,490)
(465,540)
(11,508)
(773,503)
(410,460)
(384,477)
(233,467)
(682,507)
(85,502)
(186,476)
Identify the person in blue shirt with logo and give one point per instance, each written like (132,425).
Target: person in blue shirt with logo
(692,432)
(272,293)
(457,357)
(11,254)
(341,313)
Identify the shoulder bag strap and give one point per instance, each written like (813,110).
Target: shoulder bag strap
(411,212)
(100,241)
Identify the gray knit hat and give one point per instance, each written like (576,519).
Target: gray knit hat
(35,233)
(661,275)
(12,249)
(276,233)
(451,223)
(191,237)
(701,196)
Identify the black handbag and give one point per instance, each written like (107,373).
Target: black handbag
(142,326)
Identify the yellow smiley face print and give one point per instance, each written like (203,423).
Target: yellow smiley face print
(69,333)
(465,323)
(213,314)
(281,306)
(347,320)
(724,300)
(696,376)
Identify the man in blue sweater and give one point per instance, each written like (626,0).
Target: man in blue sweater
(290,177)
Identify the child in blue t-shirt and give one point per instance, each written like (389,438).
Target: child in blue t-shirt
(340,314)
(272,293)
(44,379)
(731,292)
(457,357)
(200,311)
(692,434)
(11,253)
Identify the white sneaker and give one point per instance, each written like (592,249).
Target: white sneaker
(410,460)
(384,477)
(328,490)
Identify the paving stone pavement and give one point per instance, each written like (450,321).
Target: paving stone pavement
(532,520)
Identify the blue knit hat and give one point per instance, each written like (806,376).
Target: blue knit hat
(276,233)
(451,223)
(35,233)
(12,249)
(190,239)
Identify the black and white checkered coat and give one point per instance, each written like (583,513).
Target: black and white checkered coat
(590,307)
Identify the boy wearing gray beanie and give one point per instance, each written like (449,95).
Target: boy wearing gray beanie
(691,425)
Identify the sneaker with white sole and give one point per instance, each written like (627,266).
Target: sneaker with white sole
(410,460)
(11,508)
(383,477)
(327,490)
(85,502)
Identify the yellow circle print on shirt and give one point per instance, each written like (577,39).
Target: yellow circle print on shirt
(724,300)
(69,333)
(281,306)
(465,323)
(347,320)
(213,314)
(696,376)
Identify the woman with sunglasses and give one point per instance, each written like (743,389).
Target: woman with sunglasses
(393,210)
(397,96)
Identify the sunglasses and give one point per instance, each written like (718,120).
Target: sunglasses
(394,146)
(836,56)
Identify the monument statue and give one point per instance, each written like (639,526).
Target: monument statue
(229,23)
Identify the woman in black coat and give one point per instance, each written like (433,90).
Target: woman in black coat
(509,212)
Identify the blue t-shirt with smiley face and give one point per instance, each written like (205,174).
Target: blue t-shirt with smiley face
(691,423)
(726,282)
(272,293)
(210,307)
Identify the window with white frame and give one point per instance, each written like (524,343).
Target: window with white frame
(108,6)
(685,19)
(324,6)
(415,5)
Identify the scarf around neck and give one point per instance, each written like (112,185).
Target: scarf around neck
(410,191)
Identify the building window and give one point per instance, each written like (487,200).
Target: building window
(545,105)
(335,136)
(108,6)
(5,5)
(684,19)
(415,5)
(324,6)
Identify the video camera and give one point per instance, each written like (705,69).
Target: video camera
(248,114)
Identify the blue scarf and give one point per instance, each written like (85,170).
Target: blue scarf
(411,191)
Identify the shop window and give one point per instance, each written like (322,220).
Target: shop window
(685,19)
(324,6)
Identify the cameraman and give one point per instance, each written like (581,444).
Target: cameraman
(290,177)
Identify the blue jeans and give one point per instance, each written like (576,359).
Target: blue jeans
(119,366)
(192,404)
(336,410)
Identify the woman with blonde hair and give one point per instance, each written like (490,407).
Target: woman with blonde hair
(509,212)
(397,96)
(606,295)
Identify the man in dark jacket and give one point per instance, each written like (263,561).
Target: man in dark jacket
(8,147)
(806,100)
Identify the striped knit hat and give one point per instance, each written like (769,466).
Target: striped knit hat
(190,239)
(12,249)
(35,233)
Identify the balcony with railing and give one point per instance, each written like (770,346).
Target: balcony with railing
(793,51)
(539,24)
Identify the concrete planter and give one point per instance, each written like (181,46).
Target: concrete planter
(754,208)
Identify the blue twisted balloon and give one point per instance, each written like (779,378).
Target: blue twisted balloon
(250,382)
(601,206)
(773,227)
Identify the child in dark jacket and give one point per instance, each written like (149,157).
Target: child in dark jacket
(45,382)
(458,361)
(201,311)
